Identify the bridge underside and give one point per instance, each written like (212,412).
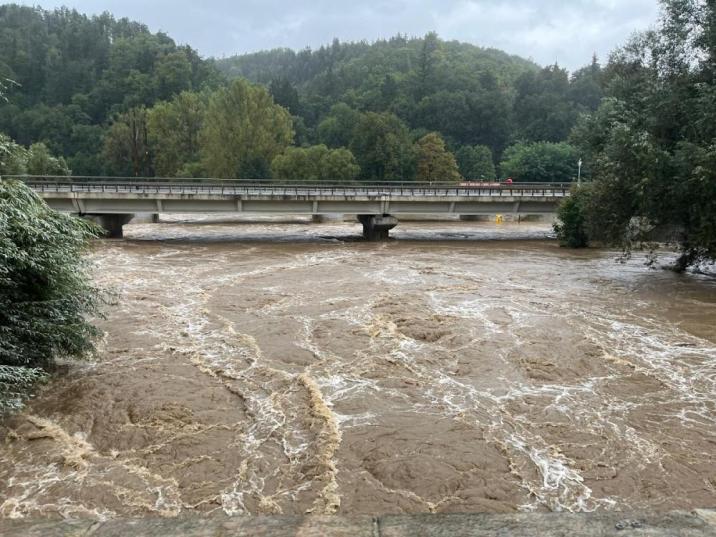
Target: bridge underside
(88,204)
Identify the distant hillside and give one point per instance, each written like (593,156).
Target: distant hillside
(74,72)
(362,64)
(86,86)
(471,95)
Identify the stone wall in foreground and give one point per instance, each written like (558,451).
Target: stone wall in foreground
(701,523)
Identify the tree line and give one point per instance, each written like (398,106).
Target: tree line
(651,145)
(112,98)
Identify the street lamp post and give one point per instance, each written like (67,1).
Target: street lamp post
(579,172)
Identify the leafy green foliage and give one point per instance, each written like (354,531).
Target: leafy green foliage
(13,157)
(540,162)
(435,162)
(381,144)
(126,145)
(15,384)
(74,73)
(314,164)
(651,146)
(571,225)
(173,133)
(36,160)
(339,126)
(243,132)
(475,163)
(545,113)
(41,162)
(45,297)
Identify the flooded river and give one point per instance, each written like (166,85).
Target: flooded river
(290,368)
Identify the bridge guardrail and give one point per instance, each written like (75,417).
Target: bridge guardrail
(126,185)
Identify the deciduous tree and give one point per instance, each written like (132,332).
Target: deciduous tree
(126,145)
(46,298)
(381,144)
(540,162)
(174,128)
(243,132)
(475,163)
(315,164)
(435,162)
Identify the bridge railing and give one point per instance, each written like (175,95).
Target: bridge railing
(156,185)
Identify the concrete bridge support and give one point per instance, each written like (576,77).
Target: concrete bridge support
(376,227)
(112,223)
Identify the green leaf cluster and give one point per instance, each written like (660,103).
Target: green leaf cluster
(540,162)
(35,160)
(434,161)
(651,145)
(45,295)
(317,163)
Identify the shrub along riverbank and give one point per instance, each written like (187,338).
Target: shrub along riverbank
(46,297)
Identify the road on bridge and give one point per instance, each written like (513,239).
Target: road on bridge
(114,200)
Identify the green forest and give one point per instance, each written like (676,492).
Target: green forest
(112,98)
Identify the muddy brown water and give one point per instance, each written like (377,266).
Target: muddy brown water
(288,368)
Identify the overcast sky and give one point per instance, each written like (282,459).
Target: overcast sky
(547,31)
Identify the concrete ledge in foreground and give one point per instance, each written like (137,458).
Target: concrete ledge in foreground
(700,523)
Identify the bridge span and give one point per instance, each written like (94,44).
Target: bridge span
(113,201)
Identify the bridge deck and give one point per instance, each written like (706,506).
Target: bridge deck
(116,196)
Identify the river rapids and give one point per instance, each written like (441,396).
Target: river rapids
(287,367)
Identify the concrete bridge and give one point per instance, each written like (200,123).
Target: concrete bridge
(113,201)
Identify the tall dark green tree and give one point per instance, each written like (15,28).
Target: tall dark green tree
(543,111)
(476,163)
(126,146)
(651,145)
(381,143)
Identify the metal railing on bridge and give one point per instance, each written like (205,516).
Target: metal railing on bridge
(232,187)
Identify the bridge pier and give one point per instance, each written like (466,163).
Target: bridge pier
(112,223)
(376,227)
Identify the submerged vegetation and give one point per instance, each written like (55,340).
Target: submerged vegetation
(45,297)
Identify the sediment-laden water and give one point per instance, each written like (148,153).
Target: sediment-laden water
(287,368)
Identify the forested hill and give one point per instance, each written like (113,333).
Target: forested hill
(471,95)
(72,73)
(358,64)
(113,98)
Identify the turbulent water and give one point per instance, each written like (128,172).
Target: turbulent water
(288,368)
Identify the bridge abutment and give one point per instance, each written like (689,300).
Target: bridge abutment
(377,227)
(111,223)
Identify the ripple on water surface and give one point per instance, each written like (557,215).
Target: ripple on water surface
(327,375)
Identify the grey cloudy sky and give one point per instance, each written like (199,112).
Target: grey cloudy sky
(548,31)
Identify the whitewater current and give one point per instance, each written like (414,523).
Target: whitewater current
(288,367)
